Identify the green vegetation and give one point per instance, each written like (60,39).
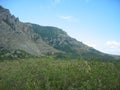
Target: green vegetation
(13,54)
(51,74)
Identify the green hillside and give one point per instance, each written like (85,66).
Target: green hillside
(51,74)
(13,54)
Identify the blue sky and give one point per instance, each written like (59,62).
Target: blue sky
(94,22)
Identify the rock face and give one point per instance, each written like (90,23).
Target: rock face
(17,35)
(59,40)
(36,40)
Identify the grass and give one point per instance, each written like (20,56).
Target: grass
(51,74)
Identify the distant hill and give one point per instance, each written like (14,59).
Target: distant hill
(35,40)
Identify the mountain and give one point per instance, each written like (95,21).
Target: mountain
(18,39)
(15,35)
(60,40)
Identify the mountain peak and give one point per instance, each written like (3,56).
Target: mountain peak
(3,10)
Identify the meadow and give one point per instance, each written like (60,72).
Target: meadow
(52,74)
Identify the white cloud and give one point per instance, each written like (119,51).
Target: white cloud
(67,17)
(113,44)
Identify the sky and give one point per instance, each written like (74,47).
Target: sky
(93,22)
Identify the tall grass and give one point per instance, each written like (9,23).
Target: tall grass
(51,74)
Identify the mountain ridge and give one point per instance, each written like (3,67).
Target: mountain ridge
(39,40)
